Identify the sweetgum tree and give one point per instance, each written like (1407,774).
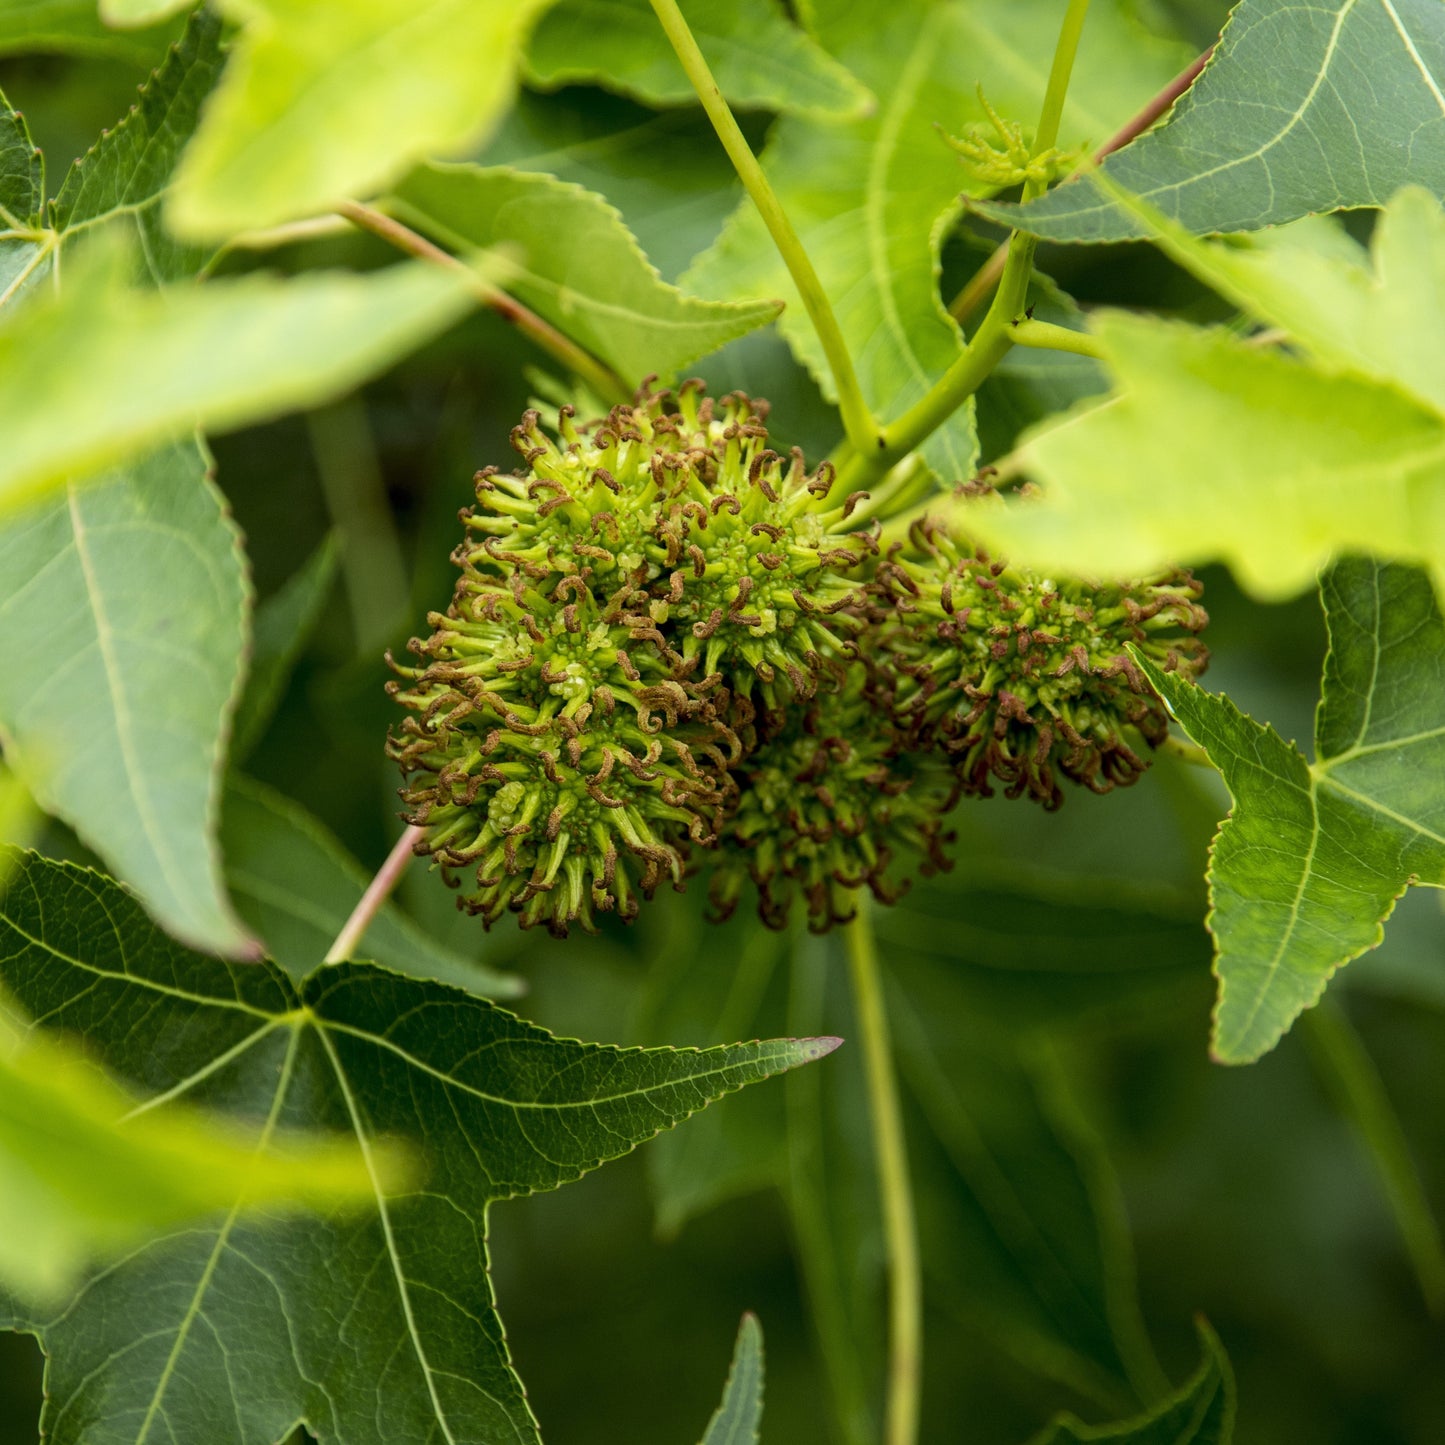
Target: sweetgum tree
(670,523)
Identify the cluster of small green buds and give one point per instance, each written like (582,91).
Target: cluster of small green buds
(998,154)
(631,604)
(831,802)
(1018,677)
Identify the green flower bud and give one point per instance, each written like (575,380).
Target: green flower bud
(1020,677)
(829,803)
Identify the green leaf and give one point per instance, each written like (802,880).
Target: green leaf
(20,819)
(322,102)
(111,371)
(122,636)
(758,57)
(296,885)
(25,247)
(1200,1413)
(1023,1227)
(140,12)
(370,1331)
(873,200)
(70,27)
(281,628)
(739,1417)
(85,1171)
(576,264)
(127,172)
(1219,450)
(1312,858)
(1303,108)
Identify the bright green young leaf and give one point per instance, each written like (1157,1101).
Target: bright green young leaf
(296,885)
(86,1172)
(110,371)
(336,98)
(1313,856)
(370,1331)
(1218,450)
(873,199)
(575,263)
(20,819)
(140,12)
(1384,320)
(25,246)
(122,635)
(739,1417)
(281,627)
(127,172)
(1201,1412)
(72,27)
(758,57)
(1303,108)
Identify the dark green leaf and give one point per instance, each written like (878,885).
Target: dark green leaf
(369,1331)
(281,628)
(296,885)
(122,636)
(127,172)
(1309,864)
(25,247)
(1200,1413)
(1303,108)
(740,1415)
(576,264)
(757,56)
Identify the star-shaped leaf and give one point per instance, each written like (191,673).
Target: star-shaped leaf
(371,1331)
(1303,108)
(1314,855)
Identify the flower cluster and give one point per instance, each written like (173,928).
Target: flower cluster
(631,605)
(671,652)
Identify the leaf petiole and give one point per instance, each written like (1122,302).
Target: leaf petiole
(858,421)
(377,892)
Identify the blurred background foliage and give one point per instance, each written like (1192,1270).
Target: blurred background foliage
(1090,1181)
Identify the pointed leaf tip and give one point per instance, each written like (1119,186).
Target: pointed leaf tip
(810,1050)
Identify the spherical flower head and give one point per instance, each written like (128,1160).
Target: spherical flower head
(564,777)
(1020,677)
(828,803)
(727,559)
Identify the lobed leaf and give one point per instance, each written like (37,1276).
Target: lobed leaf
(337,98)
(758,57)
(369,1330)
(127,172)
(1302,108)
(576,264)
(1314,855)
(1214,449)
(296,885)
(122,637)
(86,1171)
(872,200)
(739,1417)
(1201,1412)
(111,371)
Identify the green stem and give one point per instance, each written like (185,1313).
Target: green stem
(905,1285)
(858,422)
(1350,1073)
(1045,336)
(996,332)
